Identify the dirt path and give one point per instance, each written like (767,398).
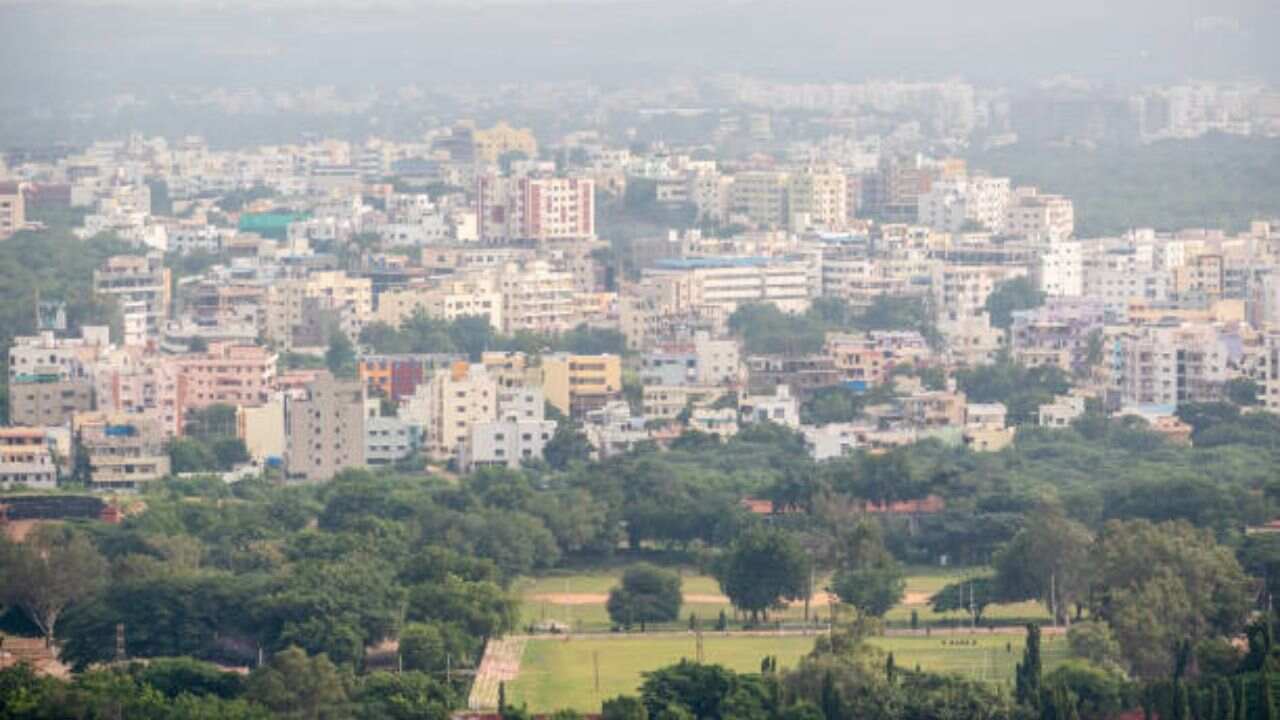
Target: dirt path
(575,599)
(501,664)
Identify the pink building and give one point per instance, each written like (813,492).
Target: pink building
(227,374)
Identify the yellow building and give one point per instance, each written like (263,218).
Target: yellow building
(262,429)
(575,384)
(501,139)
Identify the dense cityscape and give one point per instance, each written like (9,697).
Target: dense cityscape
(708,395)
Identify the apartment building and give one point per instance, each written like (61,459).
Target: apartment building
(262,428)
(864,360)
(964,203)
(718,361)
(536,298)
(529,209)
(818,198)
(450,299)
(780,407)
(933,409)
(39,399)
(1172,365)
(294,304)
(131,381)
(970,339)
(519,434)
(123,452)
(1061,333)
(759,198)
(226,374)
(140,286)
(667,402)
(396,377)
(577,384)
(12,209)
(450,403)
(1059,269)
(727,283)
(490,145)
(65,358)
(803,375)
(1044,219)
(26,459)
(324,429)
(964,289)
(388,439)
(511,369)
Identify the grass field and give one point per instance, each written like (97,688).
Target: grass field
(552,599)
(558,673)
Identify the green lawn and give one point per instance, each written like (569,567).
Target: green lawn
(538,609)
(558,673)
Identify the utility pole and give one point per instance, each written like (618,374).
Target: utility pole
(595,661)
(699,647)
(119,642)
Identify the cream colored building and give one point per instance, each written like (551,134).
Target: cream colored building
(666,402)
(1043,218)
(453,401)
(262,429)
(759,198)
(577,384)
(818,198)
(350,298)
(490,145)
(140,286)
(325,429)
(964,289)
(12,209)
(536,298)
(448,300)
(123,451)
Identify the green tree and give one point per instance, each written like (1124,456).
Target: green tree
(1028,673)
(294,685)
(874,589)
(1159,585)
(647,594)
(1009,297)
(402,696)
(1094,641)
(52,569)
(698,689)
(969,596)
(763,568)
(1048,560)
(340,358)
(623,707)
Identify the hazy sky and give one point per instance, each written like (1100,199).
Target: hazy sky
(70,47)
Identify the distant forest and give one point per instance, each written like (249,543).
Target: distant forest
(1216,181)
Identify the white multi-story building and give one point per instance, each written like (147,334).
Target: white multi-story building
(536,298)
(727,283)
(1059,269)
(781,408)
(535,209)
(520,433)
(962,203)
(453,401)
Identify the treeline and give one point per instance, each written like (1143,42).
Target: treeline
(765,330)
(1218,181)
(472,336)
